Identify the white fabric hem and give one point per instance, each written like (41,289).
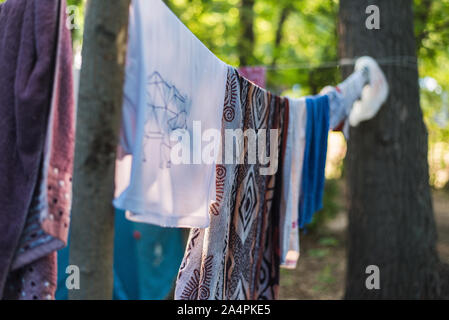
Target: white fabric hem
(133,213)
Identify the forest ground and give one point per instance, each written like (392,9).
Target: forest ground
(321,269)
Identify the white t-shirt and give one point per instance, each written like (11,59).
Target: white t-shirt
(292,173)
(172,80)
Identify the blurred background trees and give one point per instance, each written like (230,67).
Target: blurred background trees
(297,41)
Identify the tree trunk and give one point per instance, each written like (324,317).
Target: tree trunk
(246,39)
(98,123)
(391,222)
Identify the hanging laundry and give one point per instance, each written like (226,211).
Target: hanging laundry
(291,188)
(308,125)
(237,257)
(312,181)
(304,164)
(373,95)
(36,145)
(146,261)
(340,103)
(174,85)
(342,98)
(257,74)
(359,97)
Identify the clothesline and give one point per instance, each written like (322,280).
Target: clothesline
(400,61)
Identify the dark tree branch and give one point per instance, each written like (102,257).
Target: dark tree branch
(246,39)
(277,41)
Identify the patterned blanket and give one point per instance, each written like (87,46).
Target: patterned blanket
(237,257)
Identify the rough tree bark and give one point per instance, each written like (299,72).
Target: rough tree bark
(391,222)
(98,123)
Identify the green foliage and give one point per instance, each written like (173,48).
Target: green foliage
(432,34)
(295,39)
(328,241)
(77,34)
(307,37)
(326,275)
(318,253)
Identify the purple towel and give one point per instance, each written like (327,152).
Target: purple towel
(36,145)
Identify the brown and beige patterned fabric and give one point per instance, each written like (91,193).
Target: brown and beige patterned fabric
(237,257)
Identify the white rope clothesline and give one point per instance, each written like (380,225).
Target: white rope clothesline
(401,61)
